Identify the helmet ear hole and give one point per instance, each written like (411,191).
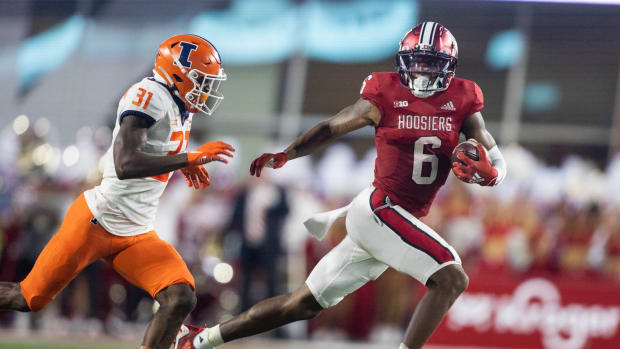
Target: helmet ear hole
(177,78)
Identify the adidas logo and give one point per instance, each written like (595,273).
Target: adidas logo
(448,106)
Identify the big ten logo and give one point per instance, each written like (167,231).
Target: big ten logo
(182,137)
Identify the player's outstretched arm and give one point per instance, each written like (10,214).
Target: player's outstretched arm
(362,113)
(130,161)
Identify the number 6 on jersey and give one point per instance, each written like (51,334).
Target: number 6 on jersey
(420,157)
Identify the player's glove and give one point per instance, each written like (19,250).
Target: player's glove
(267,160)
(481,171)
(210,151)
(196,176)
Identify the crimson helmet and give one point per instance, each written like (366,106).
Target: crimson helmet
(426,59)
(192,66)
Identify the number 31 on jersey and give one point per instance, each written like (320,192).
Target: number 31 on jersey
(140,97)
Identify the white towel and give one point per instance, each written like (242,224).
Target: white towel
(319,224)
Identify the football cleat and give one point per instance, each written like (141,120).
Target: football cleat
(185,338)
(426,59)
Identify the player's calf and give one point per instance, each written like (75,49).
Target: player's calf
(266,315)
(176,302)
(300,305)
(272,313)
(444,287)
(11,297)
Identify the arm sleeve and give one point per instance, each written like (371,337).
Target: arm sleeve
(141,100)
(477,100)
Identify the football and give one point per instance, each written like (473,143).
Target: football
(469,148)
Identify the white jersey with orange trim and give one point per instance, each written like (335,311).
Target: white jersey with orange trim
(128,207)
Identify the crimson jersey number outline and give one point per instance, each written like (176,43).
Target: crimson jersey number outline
(182,137)
(140,96)
(420,157)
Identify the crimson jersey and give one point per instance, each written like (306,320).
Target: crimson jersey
(416,136)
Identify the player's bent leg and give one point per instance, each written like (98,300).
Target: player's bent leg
(155,266)
(175,303)
(266,315)
(77,243)
(11,297)
(343,270)
(444,287)
(397,238)
(272,313)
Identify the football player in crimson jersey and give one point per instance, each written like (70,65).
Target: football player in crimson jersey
(114,221)
(417,112)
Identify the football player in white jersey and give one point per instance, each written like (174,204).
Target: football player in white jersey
(114,220)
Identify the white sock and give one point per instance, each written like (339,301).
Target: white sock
(402,346)
(211,336)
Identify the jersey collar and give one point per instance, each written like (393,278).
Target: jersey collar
(178,101)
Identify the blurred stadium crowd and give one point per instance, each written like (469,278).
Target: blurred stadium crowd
(244,241)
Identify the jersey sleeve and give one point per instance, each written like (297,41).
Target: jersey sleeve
(477,99)
(143,101)
(370,90)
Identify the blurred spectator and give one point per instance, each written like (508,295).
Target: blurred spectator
(497,224)
(524,236)
(457,222)
(574,240)
(259,213)
(606,258)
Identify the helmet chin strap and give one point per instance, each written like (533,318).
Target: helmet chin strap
(422,94)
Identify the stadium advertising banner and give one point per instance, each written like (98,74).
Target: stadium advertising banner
(549,313)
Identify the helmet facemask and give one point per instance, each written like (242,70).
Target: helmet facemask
(425,72)
(205,95)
